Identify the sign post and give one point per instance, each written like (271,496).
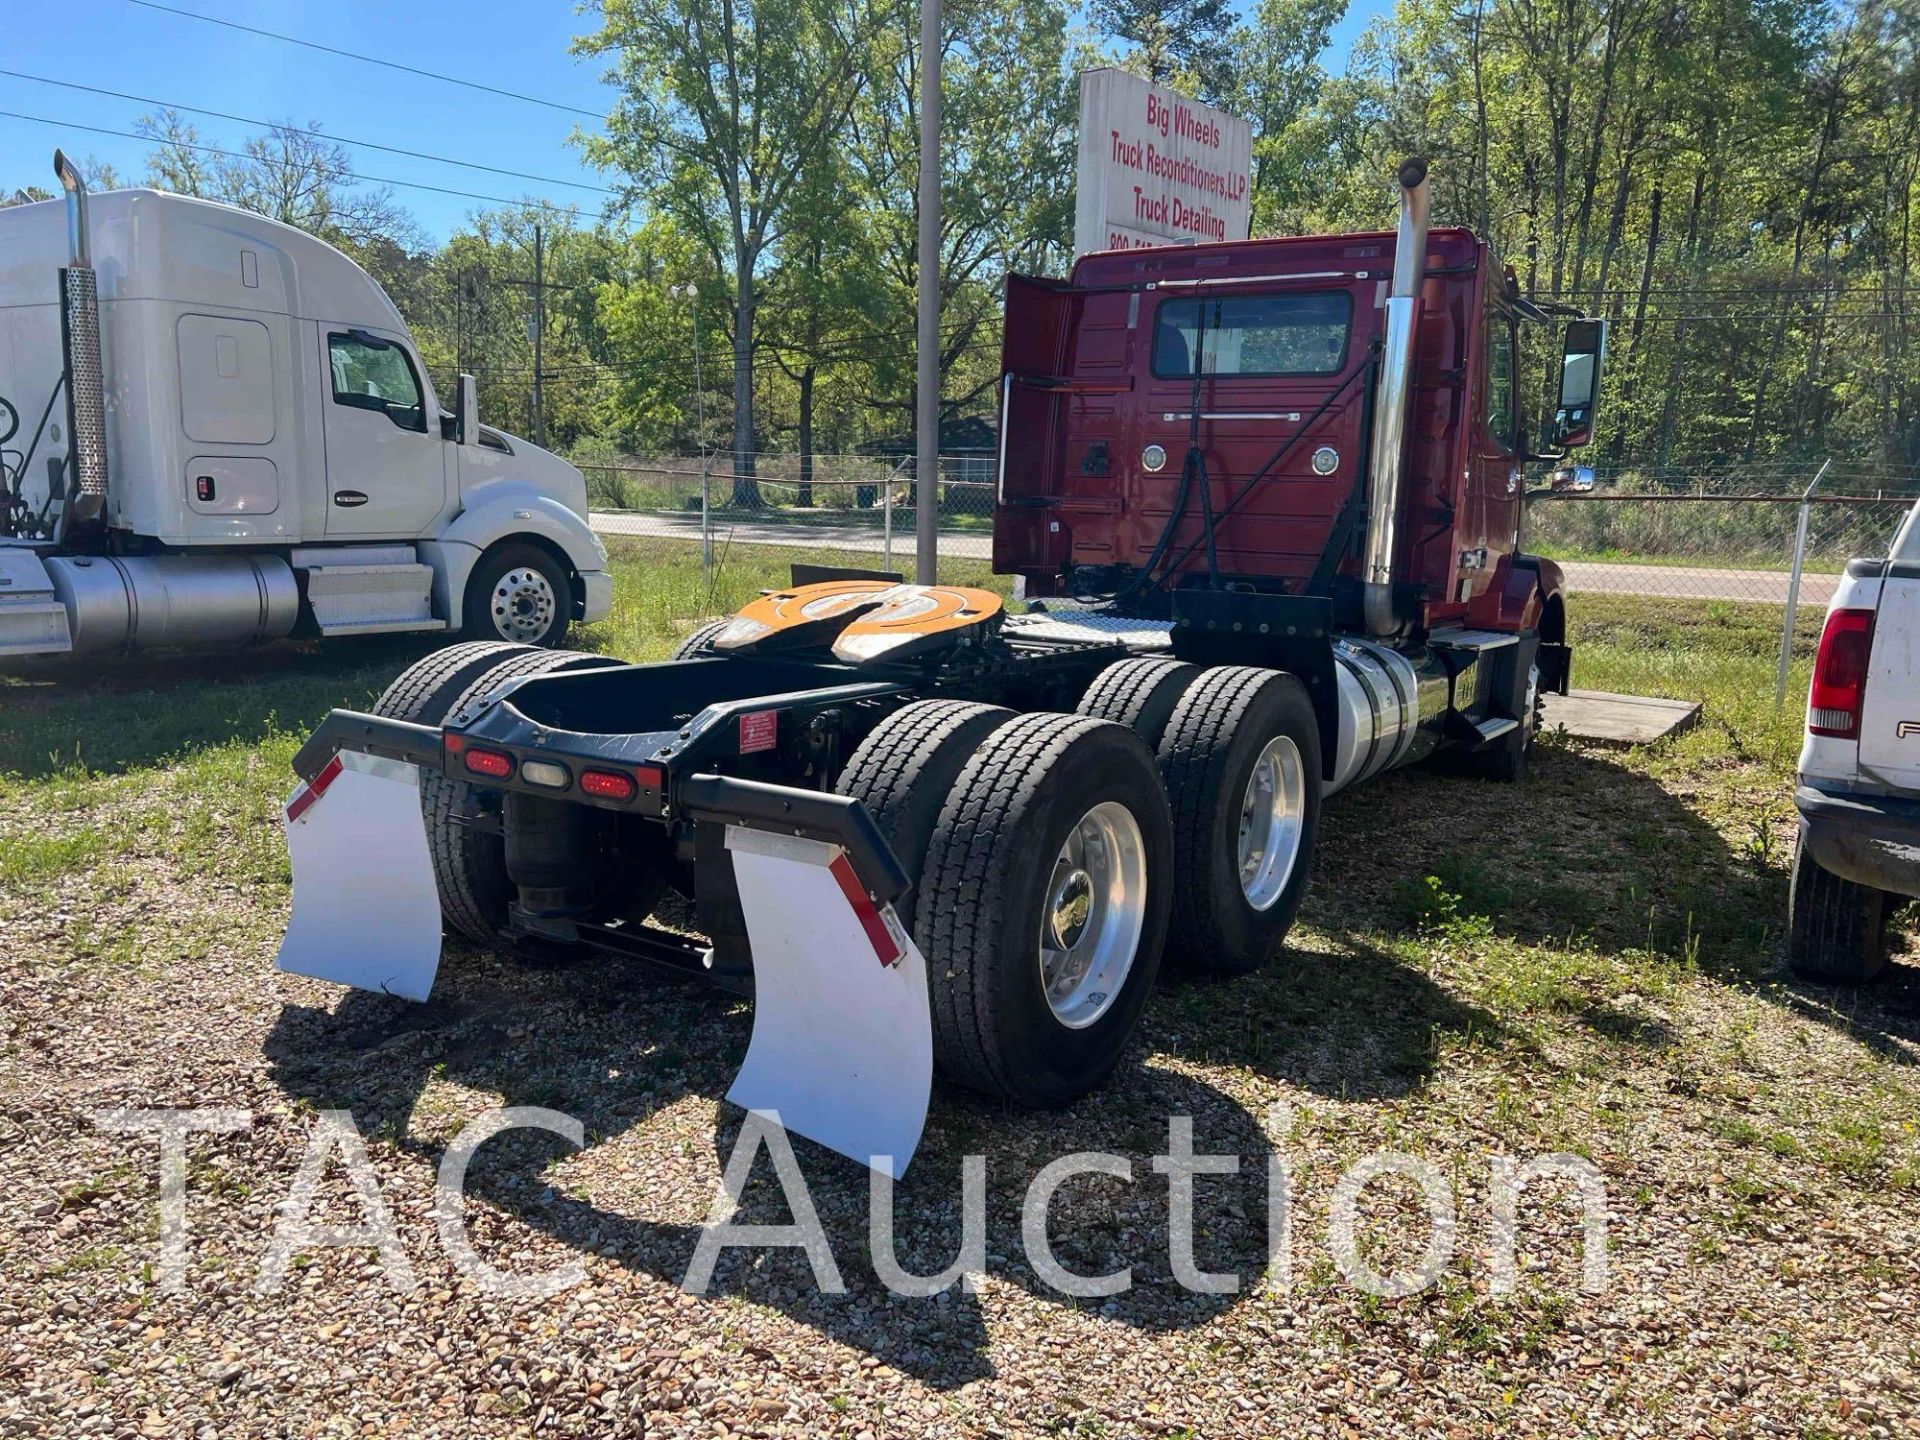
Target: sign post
(1157,168)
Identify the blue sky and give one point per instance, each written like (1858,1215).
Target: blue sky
(518,45)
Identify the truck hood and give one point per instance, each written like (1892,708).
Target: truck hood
(528,464)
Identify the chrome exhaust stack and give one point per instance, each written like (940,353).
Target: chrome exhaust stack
(1393,400)
(80,336)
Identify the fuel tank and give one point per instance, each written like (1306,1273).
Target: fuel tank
(1391,707)
(137,602)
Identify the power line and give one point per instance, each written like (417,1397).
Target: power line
(370,59)
(276,125)
(349,177)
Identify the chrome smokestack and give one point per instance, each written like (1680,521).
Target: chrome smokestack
(80,334)
(1393,399)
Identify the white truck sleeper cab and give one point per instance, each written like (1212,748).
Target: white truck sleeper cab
(222,432)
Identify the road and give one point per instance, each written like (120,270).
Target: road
(1672,582)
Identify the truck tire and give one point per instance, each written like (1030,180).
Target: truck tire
(425,691)
(903,771)
(1836,929)
(469,863)
(518,593)
(1241,759)
(1139,694)
(1050,861)
(700,642)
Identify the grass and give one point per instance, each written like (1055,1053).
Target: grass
(1695,560)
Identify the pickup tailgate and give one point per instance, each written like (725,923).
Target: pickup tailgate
(1890,710)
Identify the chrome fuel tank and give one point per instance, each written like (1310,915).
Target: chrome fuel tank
(1390,709)
(141,601)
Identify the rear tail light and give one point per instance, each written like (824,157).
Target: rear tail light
(1840,674)
(491,763)
(607,784)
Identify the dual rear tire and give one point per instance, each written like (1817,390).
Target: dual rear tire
(1041,843)
(1239,750)
(469,858)
(1058,857)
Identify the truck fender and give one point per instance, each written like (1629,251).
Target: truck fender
(503,510)
(1543,609)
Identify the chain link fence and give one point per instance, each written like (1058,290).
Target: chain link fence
(1712,587)
(862,506)
(1690,584)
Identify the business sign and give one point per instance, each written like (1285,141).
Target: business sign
(1157,168)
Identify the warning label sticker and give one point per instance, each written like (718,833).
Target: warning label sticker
(759,729)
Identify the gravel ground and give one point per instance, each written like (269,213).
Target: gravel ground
(1603,982)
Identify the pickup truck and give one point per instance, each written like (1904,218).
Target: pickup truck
(1858,791)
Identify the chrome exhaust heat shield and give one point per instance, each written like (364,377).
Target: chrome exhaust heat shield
(842,1047)
(366,911)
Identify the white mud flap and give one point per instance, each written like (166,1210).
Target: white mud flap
(842,1042)
(366,911)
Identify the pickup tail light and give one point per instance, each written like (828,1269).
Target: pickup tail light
(1840,674)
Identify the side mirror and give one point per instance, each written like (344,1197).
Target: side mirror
(1573,478)
(1581,356)
(466,410)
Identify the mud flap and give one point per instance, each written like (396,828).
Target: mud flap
(842,1044)
(366,911)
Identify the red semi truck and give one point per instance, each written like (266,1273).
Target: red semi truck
(1264,500)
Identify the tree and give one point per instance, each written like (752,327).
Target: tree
(1277,78)
(1006,153)
(725,105)
(292,174)
(1176,42)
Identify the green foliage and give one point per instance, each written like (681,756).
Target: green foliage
(1732,186)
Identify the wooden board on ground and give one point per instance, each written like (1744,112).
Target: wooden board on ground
(1618,719)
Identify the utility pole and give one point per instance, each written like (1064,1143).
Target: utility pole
(539,338)
(927,395)
(537,332)
(690,292)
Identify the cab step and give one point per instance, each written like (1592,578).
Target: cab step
(368,589)
(32,619)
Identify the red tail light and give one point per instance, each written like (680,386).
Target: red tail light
(1840,674)
(607,784)
(490,762)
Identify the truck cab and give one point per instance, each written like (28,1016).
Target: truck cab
(1249,375)
(224,431)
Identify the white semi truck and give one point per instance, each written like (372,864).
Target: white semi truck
(215,429)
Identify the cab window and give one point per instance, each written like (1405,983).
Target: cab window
(1500,382)
(1252,335)
(374,374)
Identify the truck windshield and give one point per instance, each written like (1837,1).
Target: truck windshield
(1253,335)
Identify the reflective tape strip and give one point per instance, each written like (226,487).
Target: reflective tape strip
(883,929)
(304,797)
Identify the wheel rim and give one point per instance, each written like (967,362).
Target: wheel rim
(523,604)
(1092,915)
(1272,817)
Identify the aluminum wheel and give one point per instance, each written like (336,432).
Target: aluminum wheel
(523,605)
(1272,813)
(1094,911)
